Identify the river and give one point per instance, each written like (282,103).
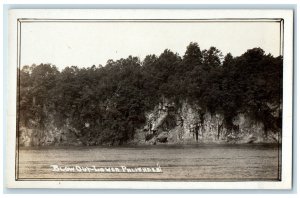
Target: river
(177,162)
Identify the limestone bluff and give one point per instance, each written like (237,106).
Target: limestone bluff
(168,124)
(165,124)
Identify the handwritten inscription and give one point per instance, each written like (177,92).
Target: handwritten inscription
(94,169)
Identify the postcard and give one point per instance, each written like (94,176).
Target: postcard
(150,99)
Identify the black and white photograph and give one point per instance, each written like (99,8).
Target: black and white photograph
(152,96)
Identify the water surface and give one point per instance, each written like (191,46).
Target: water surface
(177,162)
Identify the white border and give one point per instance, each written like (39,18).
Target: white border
(287,15)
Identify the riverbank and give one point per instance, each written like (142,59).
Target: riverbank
(158,145)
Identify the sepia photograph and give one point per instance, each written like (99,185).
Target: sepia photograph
(154,96)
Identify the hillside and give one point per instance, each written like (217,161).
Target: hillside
(201,97)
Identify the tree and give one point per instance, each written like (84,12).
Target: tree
(212,58)
(192,58)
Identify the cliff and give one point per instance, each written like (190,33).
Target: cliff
(189,124)
(165,124)
(49,135)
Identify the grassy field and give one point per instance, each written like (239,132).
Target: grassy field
(177,162)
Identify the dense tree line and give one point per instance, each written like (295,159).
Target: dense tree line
(113,98)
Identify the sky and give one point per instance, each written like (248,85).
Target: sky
(85,44)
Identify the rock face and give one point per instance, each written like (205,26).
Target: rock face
(51,136)
(165,124)
(189,124)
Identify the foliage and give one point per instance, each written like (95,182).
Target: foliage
(107,104)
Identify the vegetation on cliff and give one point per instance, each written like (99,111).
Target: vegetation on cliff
(106,104)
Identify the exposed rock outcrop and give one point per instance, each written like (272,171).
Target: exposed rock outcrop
(49,136)
(189,124)
(165,124)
